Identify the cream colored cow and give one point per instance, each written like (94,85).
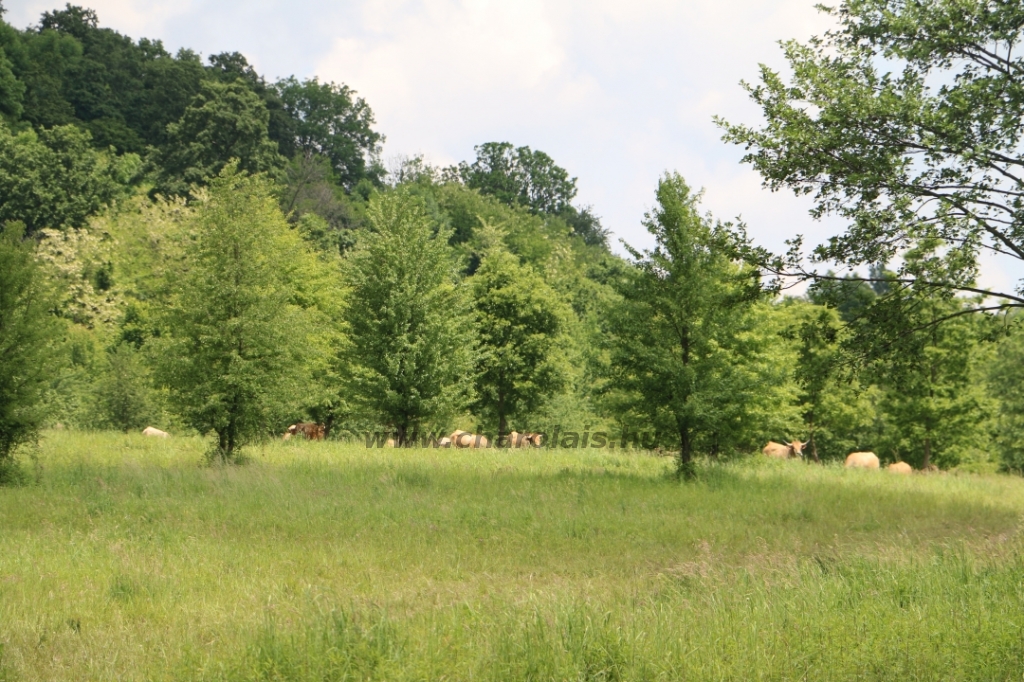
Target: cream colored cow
(862,460)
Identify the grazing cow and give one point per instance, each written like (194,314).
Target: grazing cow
(465,439)
(862,460)
(784,450)
(445,442)
(309,430)
(900,468)
(150,431)
(533,439)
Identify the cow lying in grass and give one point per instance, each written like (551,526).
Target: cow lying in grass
(524,440)
(309,430)
(465,439)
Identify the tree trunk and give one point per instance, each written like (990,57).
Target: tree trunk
(927,451)
(685,464)
(814,444)
(502,417)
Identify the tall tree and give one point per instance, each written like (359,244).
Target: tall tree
(330,120)
(906,122)
(54,178)
(838,409)
(27,330)
(671,360)
(933,407)
(519,321)
(242,333)
(520,176)
(412,347)
(1006,382)
(225,121)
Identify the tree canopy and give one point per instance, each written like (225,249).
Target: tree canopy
(412,351)
(905,122)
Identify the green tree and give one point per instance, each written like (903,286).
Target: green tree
(519,321)
(329,120)
(838,410)
(12,90)
(905,121)
(412,341)
(27,331)
(310,194)
(520,176)
(242,329)
(934,410)
(123,394)
(1006,383)
(54,178)
(686,354)
(224,122)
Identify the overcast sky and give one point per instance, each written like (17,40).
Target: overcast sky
(616,92)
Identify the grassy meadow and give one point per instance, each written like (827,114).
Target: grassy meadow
(124,558)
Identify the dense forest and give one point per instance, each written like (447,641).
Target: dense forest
(187,245)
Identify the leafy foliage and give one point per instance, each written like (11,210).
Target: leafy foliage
(54,178)
(242,336)
(328,119)
(412,334)
(905,121)
(685,349)
(519,322)
(27,334)
(1006,380)
(520,176)
(224,123)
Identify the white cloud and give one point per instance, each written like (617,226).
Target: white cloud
(615,92)
(132,17)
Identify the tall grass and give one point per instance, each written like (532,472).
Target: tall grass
(124,558)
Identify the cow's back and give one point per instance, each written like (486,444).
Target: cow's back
(862,460)
(776,450)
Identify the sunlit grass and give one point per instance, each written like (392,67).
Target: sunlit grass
(126,558)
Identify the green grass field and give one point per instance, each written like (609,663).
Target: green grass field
(124,558)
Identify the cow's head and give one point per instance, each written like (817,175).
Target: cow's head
(293,429)
(796,448)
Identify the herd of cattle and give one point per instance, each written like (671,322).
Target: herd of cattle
(855,460)
(465,439)
(458,439)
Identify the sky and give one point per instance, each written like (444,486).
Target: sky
(616,92)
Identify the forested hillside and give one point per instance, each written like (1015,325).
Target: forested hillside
(190,246)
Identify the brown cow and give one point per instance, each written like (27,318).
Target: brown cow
(900,468)
(862,460)
(784,450)
(309,430)
(465,439)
